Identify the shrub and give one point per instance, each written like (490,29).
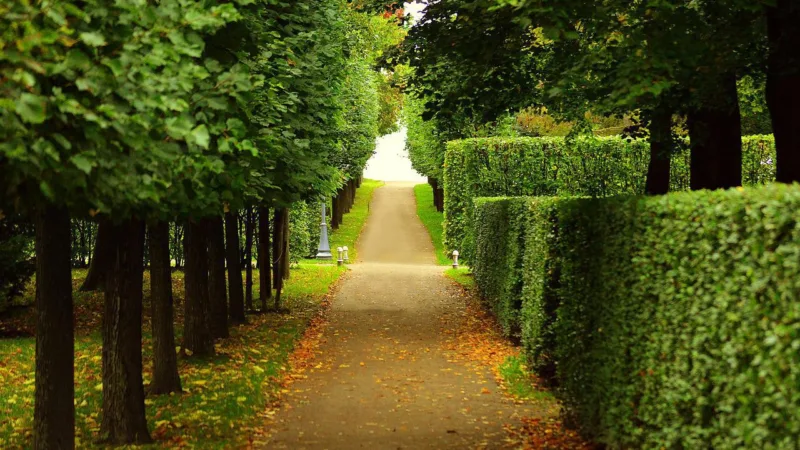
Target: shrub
(497,267)
(586,166)
(672,321)
(16,258)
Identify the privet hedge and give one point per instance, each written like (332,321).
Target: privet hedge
(586,166)
(670,322)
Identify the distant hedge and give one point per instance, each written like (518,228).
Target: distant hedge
(666,322)
(586,166)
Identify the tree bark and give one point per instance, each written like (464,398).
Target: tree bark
(54,408)
(334,214)
(197,336)
(783,86)
(286,253)
(264,257)
(248,257)
(102,260)
(123,420)
(341,203)
(278,241)
(716,140)
(660,151)
(217,289)
(165,362)
(235,288)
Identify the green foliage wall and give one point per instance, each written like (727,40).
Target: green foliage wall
(497,265)
(16,257)
(667,322)
(588,166)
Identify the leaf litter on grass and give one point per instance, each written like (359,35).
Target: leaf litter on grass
(224,398)
(477,339)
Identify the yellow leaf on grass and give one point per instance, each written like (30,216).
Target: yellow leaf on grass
(241,399)
(258,369)
(99,387)
(199,382)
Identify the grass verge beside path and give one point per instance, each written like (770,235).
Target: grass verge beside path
(432,219)
(224,397)
(348,232)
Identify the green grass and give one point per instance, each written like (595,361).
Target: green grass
(432,219)
(348,232)
(461,276)
(519,382)
(225,396)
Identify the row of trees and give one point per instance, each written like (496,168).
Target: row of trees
(136,115)
(699,61)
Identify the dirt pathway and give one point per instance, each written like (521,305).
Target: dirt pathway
(384,378)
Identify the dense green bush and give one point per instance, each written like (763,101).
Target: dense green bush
(672,321)
(497,265)
(16,258)
(588,166)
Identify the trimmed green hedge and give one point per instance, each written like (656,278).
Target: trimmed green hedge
(671,321)
(586,166)
(497,265)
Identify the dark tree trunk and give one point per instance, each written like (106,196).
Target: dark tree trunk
(351,195)
(248,258)
(217,290)
(165,361)
(660,152)
(123,420)
(54,410)
(278,229)
(341,203)
(102,260)
(334,214)
(286,251)
(264,258)
(179,245)
(235,288)
(716,140)
(83,248)
(438,194)
(197,336)
(783,86)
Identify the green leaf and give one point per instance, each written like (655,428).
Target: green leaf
(46,190)
(31,108)
(93,39)
(82,163)
(200,136)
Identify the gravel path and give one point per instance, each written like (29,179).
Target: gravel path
(384,378)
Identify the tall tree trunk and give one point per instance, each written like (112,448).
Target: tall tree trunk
(197,336)
(286,249)
(278,241)
(235,288)
(217,290)
(248,257)
(783,86)
(350,192)
(54,408)
(341,206)
(334,213)
(264,258)
(434,186)
(660,151)
(102,260)
(715,135)
(165,361)
(123,420)
(81,253)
